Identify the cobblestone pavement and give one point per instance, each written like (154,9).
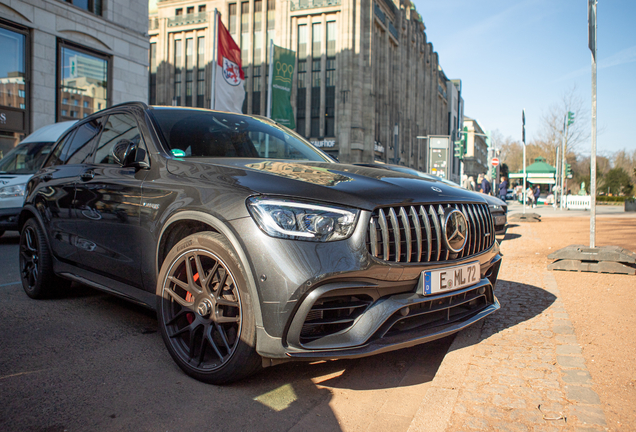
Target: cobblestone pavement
(522,370)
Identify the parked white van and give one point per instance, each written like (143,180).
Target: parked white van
(19,165)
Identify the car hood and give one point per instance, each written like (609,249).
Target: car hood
(14,179)
(349,185)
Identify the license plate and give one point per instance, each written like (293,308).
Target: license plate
(450,278)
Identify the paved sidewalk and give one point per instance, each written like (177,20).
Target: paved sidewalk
(522,370)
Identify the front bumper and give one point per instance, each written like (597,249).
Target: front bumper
(382,308)
(9,218)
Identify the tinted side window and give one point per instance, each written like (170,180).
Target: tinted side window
(81,145)
(57,158)
(118,127)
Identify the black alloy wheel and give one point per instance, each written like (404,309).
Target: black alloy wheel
(204,314)
(36,266)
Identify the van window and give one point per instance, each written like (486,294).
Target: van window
(25,158)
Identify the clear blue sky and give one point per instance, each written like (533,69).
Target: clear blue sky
(516,54)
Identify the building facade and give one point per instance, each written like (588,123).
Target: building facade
(366,82)
(65,59)
(476,157)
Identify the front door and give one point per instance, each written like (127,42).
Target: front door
(107,206)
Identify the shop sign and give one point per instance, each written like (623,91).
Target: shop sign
(324,143)
(378,147)
(11,121)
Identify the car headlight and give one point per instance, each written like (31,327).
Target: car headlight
(12,191)
(297,220)
(494,208)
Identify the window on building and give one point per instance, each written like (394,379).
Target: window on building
(316,67)
(152,87)
(245,32)
(232,14)
(64,112)
(189,70)
(190,10)
(201,71)
(316,40)
(12,66)
(245,74)
(258,34)
(315,99)
(330,81)
(301,94)
(201,8)
(85,104)
(178,11)
(256,90)
(83,74)
(177,72)
(94,6)
(271,22)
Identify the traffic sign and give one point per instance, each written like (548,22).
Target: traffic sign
(494,161)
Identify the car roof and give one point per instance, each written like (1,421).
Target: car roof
(50,133)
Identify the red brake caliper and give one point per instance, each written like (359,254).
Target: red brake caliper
(189,298)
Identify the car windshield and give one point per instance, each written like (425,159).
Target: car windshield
(198,133)
(25,158)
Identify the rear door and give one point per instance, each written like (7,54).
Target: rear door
(56,192)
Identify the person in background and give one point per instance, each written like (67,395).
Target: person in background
(503,188)
(536,191)
(470,183)
(530,196)
(485,185)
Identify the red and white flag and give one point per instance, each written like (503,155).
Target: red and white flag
(229,90)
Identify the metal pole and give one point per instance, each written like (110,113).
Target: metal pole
(271,78)
(593,157)
(396,153)
(557,179)
(214,55)
(564,141)
(523,140)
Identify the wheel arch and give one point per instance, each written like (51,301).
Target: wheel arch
(189,222)
(28,212)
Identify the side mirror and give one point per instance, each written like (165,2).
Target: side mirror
(128,155)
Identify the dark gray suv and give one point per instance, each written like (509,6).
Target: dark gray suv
(253,246)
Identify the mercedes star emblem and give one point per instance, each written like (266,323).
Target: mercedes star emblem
(455,230)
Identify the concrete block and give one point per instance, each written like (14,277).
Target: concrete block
(583,395)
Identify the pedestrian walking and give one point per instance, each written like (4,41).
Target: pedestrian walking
(503,188)
(470,184)
(529,196)
(536,192)
(485,185)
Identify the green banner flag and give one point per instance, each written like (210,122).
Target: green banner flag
(283,71)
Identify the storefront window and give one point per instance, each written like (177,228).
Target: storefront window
(83,82)
(12,68)
(13,95)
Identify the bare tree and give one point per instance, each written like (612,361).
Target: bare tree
(552,131)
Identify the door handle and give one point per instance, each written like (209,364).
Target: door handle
(87,175)
(47,177)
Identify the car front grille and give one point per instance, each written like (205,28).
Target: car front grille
(415,234)
(333,314)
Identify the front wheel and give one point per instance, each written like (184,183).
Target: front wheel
(205,312)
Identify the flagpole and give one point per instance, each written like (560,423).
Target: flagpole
(271,77)
(592,20)
(214,60)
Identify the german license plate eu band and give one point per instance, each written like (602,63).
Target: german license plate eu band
(450,278)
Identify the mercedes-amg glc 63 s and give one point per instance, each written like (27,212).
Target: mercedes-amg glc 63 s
(254,247)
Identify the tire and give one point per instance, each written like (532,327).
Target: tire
(207,323)
(36,263)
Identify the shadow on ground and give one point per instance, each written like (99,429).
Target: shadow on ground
(519,302)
